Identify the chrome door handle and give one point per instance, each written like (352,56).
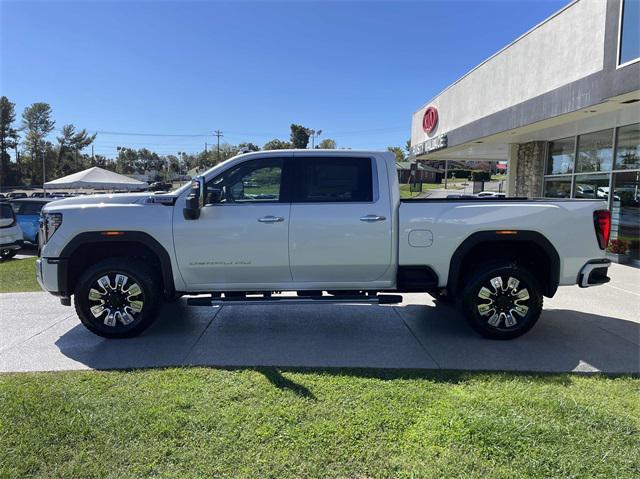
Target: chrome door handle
(372,218)
(271,219)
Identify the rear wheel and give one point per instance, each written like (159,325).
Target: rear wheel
(8,253)
(117,298)
(501,301)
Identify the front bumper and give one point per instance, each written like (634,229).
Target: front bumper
(50,273)
(14,245)
(594,273)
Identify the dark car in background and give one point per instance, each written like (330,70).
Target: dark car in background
(27,212)
(15,195)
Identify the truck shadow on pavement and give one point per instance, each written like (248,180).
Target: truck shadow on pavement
(365,337)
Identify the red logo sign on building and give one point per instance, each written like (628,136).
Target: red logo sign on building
(430,119)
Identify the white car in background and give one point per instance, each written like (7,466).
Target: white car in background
(10,233)
(490,194)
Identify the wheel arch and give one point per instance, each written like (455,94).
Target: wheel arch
(528,247)
(139,243)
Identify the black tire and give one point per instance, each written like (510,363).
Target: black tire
(499,313)
(8,253)
(132,313)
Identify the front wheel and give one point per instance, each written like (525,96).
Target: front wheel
(501,301)
(117,298)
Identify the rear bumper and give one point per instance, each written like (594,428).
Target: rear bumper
(594,273)
(13,245)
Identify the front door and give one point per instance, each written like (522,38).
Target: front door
(241,237)
(341,229)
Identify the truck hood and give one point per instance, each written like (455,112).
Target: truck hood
(114,199)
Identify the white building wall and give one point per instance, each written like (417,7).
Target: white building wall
(563,49)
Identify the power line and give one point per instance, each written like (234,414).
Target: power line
(233,132)
(129,133)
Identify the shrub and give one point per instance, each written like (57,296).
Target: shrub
(618,246)
(481,176)
(459,173)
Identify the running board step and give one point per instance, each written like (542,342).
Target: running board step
(379,299)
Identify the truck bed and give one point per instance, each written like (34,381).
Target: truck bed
(430,230)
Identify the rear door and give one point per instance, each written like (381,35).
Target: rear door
(28,216)
(340,230)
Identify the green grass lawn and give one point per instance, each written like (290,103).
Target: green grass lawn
(18,275)
(406,193)
(202,422)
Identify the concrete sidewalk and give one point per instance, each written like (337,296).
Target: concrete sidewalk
(595,329)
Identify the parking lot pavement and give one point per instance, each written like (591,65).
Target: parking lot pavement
(596,329)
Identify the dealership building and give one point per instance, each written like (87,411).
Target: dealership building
(560,104)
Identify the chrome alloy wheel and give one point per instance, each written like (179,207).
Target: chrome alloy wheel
(502,305)
(116,297)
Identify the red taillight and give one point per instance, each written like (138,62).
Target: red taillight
(602,224)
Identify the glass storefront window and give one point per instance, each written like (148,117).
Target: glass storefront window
(625,210)
(591,186)
(557,187)
(630,31)
(595,151)
(628,147)
(561,154)
(602,172)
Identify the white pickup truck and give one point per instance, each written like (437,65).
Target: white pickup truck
(326,224)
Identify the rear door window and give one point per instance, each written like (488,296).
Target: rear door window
(6,213)
(30,208)
(333,180)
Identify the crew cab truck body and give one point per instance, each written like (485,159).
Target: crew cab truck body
(327,224)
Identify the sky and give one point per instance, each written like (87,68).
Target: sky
(177,71)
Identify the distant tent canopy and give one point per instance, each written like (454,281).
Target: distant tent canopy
(97,179)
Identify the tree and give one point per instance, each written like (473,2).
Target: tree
(37,122)
(70,144)
(327,144)
(103,162)
(276,144)
(149,161)
(8,136)
(126,160)
(75,140)
(248,146)
(299,136)
(396,150)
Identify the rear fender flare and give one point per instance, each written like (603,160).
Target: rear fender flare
(522,236)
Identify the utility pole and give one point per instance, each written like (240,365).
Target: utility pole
(93,158)
(218,134)
(205,148)
(446,172)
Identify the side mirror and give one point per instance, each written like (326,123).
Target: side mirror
(195,199)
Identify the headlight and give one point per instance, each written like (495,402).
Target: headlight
(49,224)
